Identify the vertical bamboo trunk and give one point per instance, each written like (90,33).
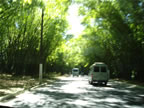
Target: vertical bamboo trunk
(41,49)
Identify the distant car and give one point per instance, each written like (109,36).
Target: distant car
(98,73)
(75,71)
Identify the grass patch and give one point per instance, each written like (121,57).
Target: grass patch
(131,81)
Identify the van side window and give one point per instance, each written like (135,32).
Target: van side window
(96,69)
(103,69)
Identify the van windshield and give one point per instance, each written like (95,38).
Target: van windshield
(96,69)
(103,69)
(75,70)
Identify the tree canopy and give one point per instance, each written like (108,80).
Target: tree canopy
(20,33)
(113,34)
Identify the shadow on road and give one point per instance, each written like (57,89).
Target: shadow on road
(77,93)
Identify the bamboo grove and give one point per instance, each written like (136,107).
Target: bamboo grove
(114,34)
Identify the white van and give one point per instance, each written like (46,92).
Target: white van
(98,73)
(75,71)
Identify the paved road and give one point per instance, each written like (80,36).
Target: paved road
(69,92)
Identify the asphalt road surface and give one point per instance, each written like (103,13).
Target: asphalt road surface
(75,92)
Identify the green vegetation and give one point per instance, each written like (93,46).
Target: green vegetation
(20,34)
(113,34)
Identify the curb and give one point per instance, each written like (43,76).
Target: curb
(12,96)
(40,85)
(7,97)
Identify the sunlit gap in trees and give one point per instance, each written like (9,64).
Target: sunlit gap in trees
(16,24)
(74,21)
(28,1)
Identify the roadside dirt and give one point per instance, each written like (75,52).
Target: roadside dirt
(10,85)
(131,81)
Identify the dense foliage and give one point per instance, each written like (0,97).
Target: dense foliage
(114,34)
(20,33)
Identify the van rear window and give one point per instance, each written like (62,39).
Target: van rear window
(96,69)
(103,69)
(75,70)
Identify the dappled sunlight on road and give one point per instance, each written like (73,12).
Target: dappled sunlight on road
(79,102)
(75,86)
(75,92)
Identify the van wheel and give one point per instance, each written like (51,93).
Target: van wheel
(91,82)
(105,83)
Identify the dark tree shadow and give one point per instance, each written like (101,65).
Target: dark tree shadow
(114,95)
